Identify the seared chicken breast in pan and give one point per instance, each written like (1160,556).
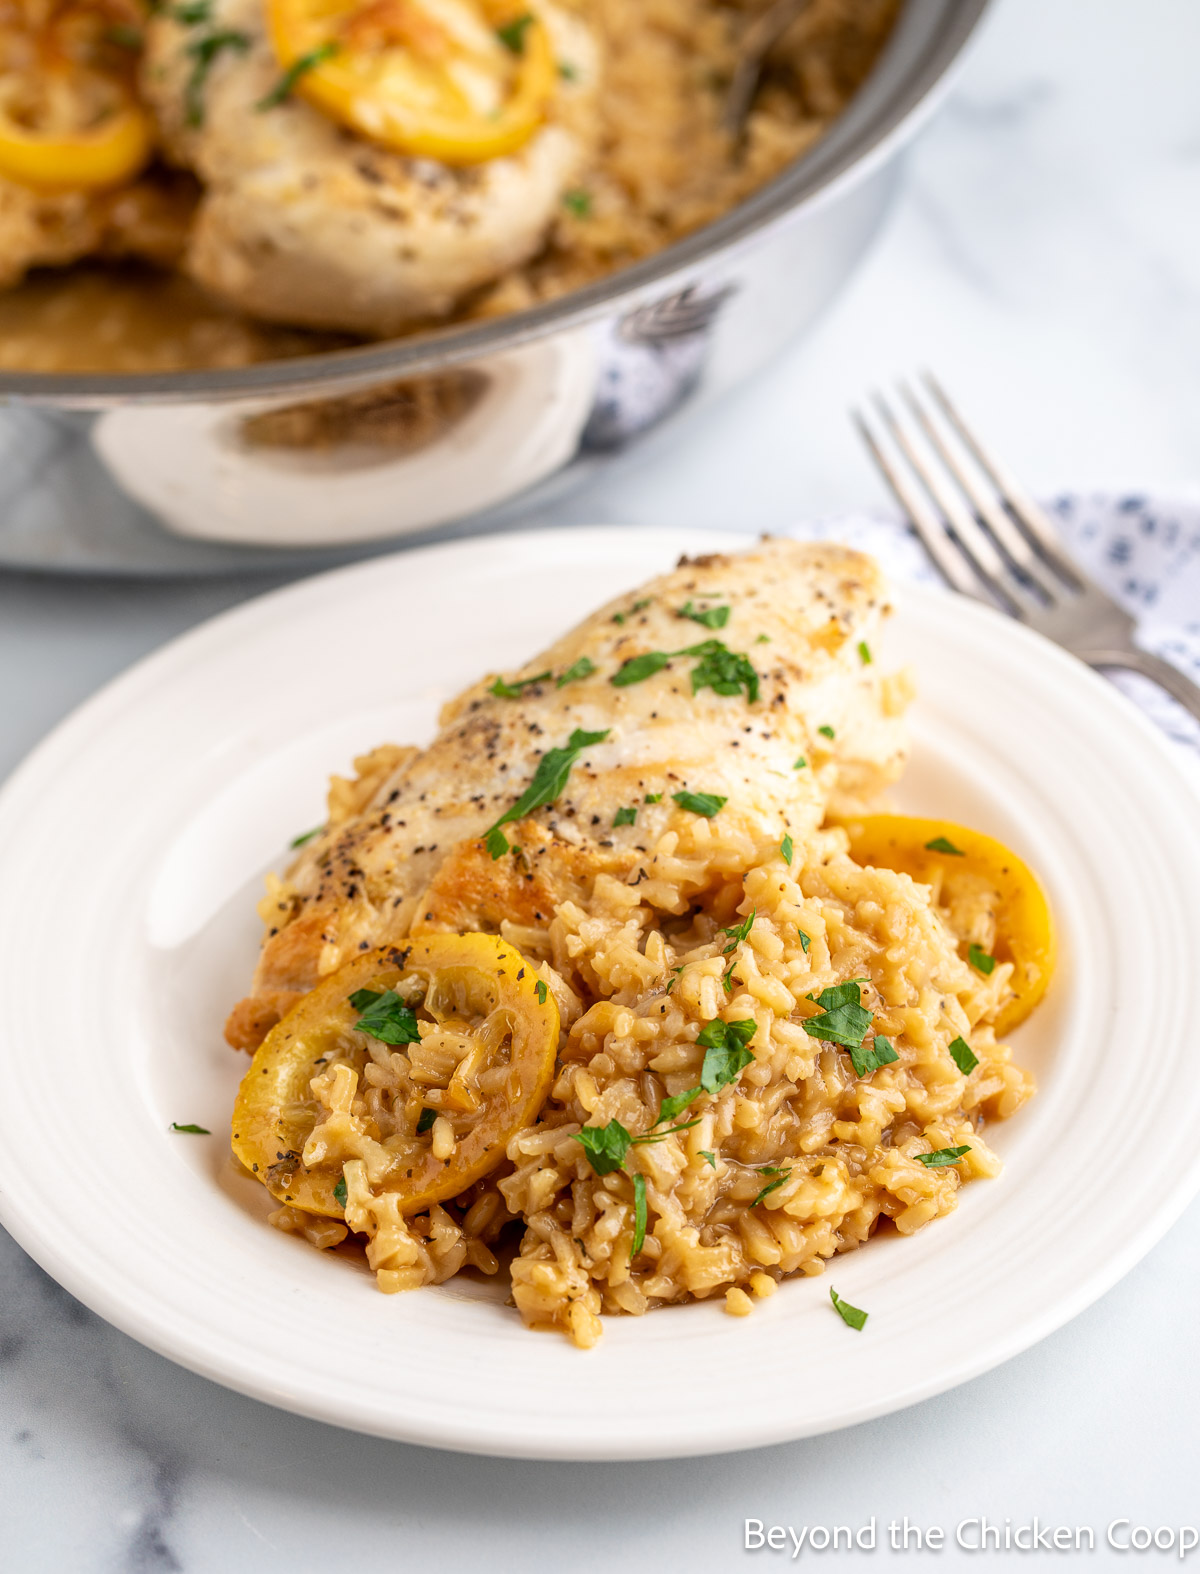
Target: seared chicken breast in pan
(740,683)
(310,218)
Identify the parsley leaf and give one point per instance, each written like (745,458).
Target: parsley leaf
(304,63)
(639,1216)
(513,691)
(638,668)
(541,991)
(963,1056)
(787,848)
(654,797)
(723,670)
(980,960)
(191,1129)
(548,782)
(865,1060)
(306,836)
(864,653)
(726,1055)
(827,732)
(739,932)
(940,845)
(605,1146)
(512,34)
(624,817)
(425,1121)
(385,1017)
(845,1019)
(203,53)
(578,202)
(583,668)
(941,1158)
(850,1315)
(638,606)
(763,639)
(710,618)
(780,1177)
(709,1158)
(661,1136)
(805,941)
(704,803)
(800,764)
(567,71)
(676,1105)
(339,1192)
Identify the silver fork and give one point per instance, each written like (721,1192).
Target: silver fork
(990,540)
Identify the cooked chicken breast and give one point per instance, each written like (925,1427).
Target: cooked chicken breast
(799,717)
(304,222)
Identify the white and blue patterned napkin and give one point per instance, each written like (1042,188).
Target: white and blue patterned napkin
(1145,554)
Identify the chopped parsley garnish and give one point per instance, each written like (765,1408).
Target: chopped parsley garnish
(800,764)
(638,668)
(192,12)
(850,1315)
(787,847)
(541,990)
(844,1019)
(805,941)
(203,52)
(709,1158)
(980,960)
(605,1146)
(339,1192)
(425,1120)
(725,1052)
(567,71)
(676,1104)
(583,668)
(963,1056)
(639,1216)
(703,803)
(722,670)
(512,34)
(638,606)
(709,618)
(548,782)
(578,202)
(864,653)
(624,817)
(298,68)
(306,836)
(827,732)
(780,1177)
(941,845)
(739,932)
(513,691)
(385,1016)
(940,1158)
(718,668)
(763,639)
(191,1129)
(654,797)
(865,1060)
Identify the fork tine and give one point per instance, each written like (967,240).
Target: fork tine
(1014,495)
(975,546)
(945,554)
(984,501)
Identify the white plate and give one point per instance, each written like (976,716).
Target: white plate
(134,840)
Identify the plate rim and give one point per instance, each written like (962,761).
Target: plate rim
(126,687)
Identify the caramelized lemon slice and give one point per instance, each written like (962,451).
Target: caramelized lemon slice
(462,81)
(421,1061)
(68,118)
(967,868)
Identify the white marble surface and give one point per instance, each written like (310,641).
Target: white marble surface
(1044,255)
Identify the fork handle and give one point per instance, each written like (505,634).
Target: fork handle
(1177,684)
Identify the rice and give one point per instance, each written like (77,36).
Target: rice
(795,1161)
